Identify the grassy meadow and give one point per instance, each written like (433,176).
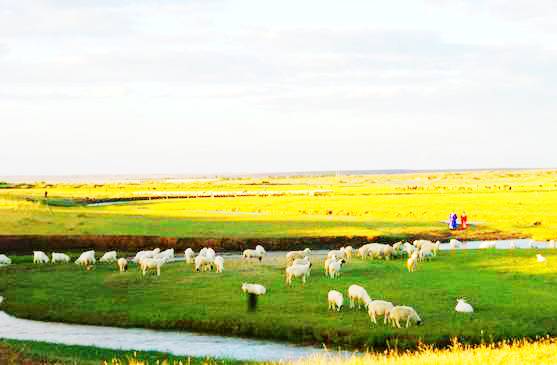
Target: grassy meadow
(503,203)
(512,293)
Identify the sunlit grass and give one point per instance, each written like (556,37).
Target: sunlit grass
(514,353)
(505,204)
(509,303)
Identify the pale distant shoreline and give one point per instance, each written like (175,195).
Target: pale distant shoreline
(185,178)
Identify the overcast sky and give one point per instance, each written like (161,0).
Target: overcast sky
(95,87)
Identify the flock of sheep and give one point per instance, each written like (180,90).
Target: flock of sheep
(298,266)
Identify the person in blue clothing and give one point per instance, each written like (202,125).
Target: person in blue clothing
(453,221)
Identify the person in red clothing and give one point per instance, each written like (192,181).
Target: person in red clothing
(464,220)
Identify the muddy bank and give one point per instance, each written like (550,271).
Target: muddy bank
(28,243)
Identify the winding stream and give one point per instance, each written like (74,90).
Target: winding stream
(177,343)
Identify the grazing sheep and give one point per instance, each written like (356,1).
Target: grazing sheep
(404,313)
(540,258)
(109,257)
(297,271)
(359,295)
(146,254)
(335,300)
(210,253)
(349,251)
(122,264)
(59,257)
(255,289)
(40,257)
(86,259)
(203,263)
(166,255)
(337,253)
(5,260)
(463,307)
(388,252)
(419,243)
(377,308)
(303,261)
(551,244)
(397,246)
(408,248)
(412,262)
(326,264)
(293,255)
(219,264)
(363,251)
(258,253)
(425,253)
(512,245)
(189,255)
(152,264)
(335,266)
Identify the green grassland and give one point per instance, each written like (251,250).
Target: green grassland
(504,203)
(513,295)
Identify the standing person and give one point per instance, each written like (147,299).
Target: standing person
(454,223)
(463,220)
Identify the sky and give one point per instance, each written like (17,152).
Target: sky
(216,86)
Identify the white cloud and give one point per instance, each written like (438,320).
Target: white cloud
(201,86)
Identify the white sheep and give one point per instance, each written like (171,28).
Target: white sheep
(166,255)
(297,271)
(255,289)
(189,255)
(5,260)
(40,257)
(463,307)
(359,295)
(109,257)
(412,262)
(122,264)
(512,245)
(348,251)
(59,257)
(335,300)
(540,258)
(326,265)
(203,263)
(426,252)
(303,261)
(551,244)
(210,253)
(145,254)
(419,243)
(152,264)
(219,264)
(408,248)
(293,255)
(337,253)
(258,253)
(377,308)
(335,266)
(87,258)
(404,313)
